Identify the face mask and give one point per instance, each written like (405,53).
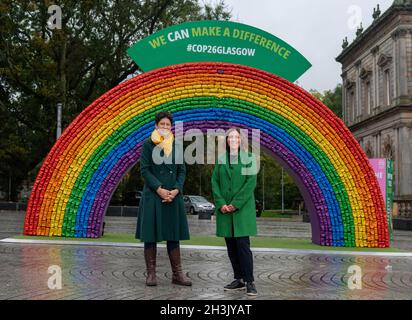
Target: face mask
(163,132)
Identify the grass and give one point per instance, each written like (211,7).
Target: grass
(274,214)
(256,242)
(279,214)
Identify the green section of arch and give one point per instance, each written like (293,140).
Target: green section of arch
(219,41)
(205,102)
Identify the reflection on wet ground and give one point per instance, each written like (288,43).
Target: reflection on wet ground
(119,273)
(96,272)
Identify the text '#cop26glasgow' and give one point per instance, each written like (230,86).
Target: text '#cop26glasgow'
(203,48)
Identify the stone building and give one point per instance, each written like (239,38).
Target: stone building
(377,96)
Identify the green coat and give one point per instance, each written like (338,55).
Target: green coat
(230,186)
(158,221)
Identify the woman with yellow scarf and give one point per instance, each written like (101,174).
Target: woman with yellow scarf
(162,214)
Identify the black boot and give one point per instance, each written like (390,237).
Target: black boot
(150,258)
(178,276)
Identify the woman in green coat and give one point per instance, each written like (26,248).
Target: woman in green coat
(233,185)
(162,214)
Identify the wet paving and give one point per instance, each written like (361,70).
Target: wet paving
(119,273)
(28,271)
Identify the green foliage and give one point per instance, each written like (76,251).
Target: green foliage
(271,171)
(40,67)
(331,98)
(198,177)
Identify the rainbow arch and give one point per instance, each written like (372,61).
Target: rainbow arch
(76,182)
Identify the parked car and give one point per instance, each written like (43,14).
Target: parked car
(132,198)
(197,204)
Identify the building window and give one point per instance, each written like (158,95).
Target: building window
(358,106)
(384,63)
(387,86)
(366,103)
(350,101)
(368,150)
(352,106)
(388,149)
(369,97)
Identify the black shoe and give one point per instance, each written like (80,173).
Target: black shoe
(235,285)
(251,289)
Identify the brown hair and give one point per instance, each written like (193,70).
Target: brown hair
(243,140)
(163,114)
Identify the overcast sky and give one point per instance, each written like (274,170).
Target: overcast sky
(315,28)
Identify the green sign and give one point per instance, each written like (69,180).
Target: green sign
(389,195)
(219,41)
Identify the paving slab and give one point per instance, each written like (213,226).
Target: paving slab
(117,272)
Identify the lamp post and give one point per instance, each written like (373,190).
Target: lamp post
(283,202)
(263,187)
(200,184)
(59,120)
(9,186)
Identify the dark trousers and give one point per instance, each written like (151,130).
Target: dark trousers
(241,257)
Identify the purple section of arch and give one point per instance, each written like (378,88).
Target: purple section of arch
(320,223)
(108,187)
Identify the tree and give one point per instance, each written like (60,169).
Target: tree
(273,187)
(331,98)
(14,158)
(74,65)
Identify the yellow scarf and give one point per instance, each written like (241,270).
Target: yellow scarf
(165,144)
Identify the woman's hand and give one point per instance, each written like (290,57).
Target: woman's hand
(167,195)
(224,209)
(171,196)
(174,192)
(231,208)
(163,193)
